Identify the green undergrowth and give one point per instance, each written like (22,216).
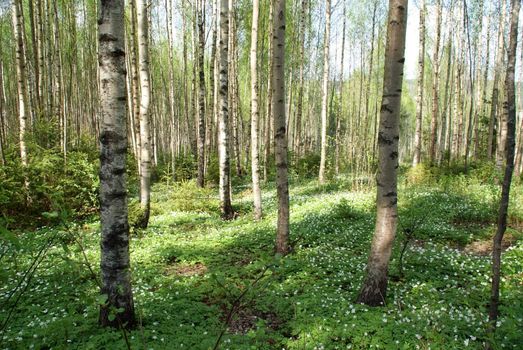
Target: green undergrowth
(189,269)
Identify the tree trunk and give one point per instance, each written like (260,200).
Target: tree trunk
(374,289)
(255,113)
(223,136)
(325,91)
(421,75)
(21,77)
(481,92)
(495,89)
(115,260)
(510,111)
(269,112)
(340,93)
(201,95)
(435,87)
(299,107)
(502,123)
(145,97)
(280,134)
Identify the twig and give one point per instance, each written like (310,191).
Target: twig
(236,304)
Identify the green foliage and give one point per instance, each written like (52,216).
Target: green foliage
(52,184)
(307,166)
(187,196)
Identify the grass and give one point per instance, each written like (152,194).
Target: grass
(189,268)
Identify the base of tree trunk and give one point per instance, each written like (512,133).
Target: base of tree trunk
(373,292)
(110,318)
(142,221)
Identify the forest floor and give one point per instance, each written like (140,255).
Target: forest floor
(196,277)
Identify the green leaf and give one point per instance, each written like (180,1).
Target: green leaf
(102,299)
(50,215)
(111,317)
(9,237)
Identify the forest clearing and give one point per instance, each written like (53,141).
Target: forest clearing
(261,174)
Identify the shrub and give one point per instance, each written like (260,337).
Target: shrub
(52,185)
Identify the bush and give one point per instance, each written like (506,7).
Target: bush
(418,175)
(308,165)
(187,196)
(52,185)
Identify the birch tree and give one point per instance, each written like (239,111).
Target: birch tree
(223,129)
(510,111)
(280,133)
(255,113)
(325,91)
(374,289)
(21,76)
(201,94)
(421,75)
(145,98)
(118,308)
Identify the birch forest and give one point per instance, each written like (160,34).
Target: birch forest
(261,174)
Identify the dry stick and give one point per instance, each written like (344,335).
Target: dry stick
(236,304)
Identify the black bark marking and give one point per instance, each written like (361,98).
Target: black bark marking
(382,140)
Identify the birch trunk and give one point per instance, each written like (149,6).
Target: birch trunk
(21,78)
(145,97)
(435,87)
(325,91)
(510,111)
(115,261)
(255,113)
(223,133)
(495,89)
(374,289)
(421,75)
(201,95)
(280,134)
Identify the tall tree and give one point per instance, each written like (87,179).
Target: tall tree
(435,87)
(115,261)
(325,91)
(421,75)
(280,133)
(18,30)
(495,88)
(374,289)
(201,94)
(510,111)
(223,128)
(145,99)
(255,112)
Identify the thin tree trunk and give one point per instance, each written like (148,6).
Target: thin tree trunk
(115,260)
(255,113)
(21,78)
(495,89)
(223,136)
(325,92)
(269,112)
(481,92)
(145,97)
(374,289)
(435,87)
(280,134)
(510,111)
(299,107)
(340,93)
(421,75)
(201,95)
